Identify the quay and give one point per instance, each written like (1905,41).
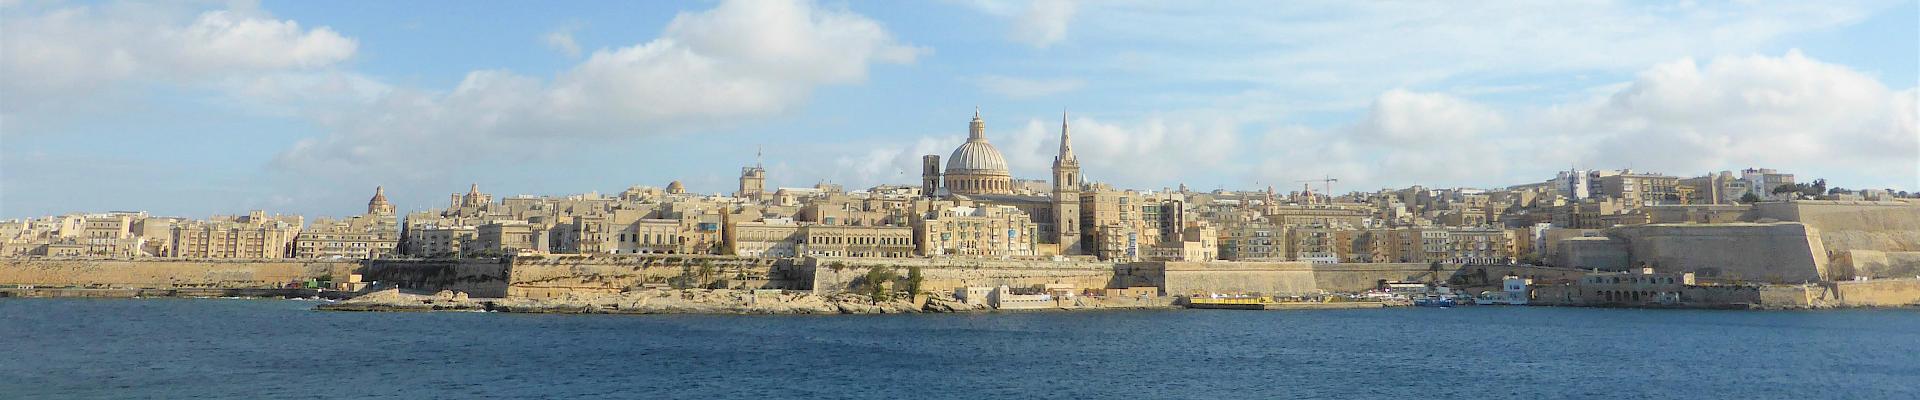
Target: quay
(1267,303)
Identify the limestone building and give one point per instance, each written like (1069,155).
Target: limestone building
(976,175)
(976,167)
(254,235)
(375,234)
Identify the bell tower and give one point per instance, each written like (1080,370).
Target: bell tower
(1066,193)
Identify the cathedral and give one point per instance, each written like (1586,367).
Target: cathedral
(976,172)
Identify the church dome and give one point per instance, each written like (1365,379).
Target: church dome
(977,157)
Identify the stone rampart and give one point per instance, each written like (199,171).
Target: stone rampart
(1593,253)
(1853,225)
(832,274)
(478,277)
(557,275)
(1199,278)
(1874,264)
(1360,277)
(1786,252)
(1879,292)
(168,273)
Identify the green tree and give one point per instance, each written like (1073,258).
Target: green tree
(706,272)
(914,280)
(876,283)
(1749,198)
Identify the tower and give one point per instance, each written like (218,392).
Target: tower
(378,204)
(930,175)
(1066,193)
(753,180)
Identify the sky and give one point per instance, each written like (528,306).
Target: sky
(303,107)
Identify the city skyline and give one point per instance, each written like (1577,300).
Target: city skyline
(551,103)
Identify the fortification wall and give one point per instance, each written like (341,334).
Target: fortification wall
(1772,252)
(1272,278)
(478,277)
(555,276)
(1593,253)
(1874,264)
(1879,292)
(945,275)
(1853,225)
(168,273)
(1351,278)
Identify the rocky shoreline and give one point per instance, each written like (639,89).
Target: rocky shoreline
(683,301)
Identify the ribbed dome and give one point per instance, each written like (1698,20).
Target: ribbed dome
(977,157)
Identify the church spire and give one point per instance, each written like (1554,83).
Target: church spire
(1066,142)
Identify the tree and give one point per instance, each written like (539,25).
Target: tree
(876,283)
(706,271)
(914,280)
(1749,198)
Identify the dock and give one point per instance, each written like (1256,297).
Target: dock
(1264,303)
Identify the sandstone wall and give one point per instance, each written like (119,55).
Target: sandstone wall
(1879,292)
(1787,252)
(1853,225)
(168,273)
(556,275)
(1352,278)
(1874,264)
(1593,253)
(945,275)
(1200,278)
(478,277)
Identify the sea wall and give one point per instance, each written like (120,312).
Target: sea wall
(1358,277)
(1874,264)
(838,274)
(478,277)
(168,273)
(1879,292)
(558,275)
(1786,252)
(1190,278)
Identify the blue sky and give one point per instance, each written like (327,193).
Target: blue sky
(193,109)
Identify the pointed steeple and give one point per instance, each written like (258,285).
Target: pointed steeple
(1066,144)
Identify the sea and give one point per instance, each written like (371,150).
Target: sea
(262,349)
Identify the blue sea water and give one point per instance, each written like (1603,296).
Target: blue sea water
(213,348)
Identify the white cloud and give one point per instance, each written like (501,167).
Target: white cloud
(741,59)
(1021,88)
(1789,112)
(1416,120)
(68,52)
(1043,23)
(1340,52)
(561,40)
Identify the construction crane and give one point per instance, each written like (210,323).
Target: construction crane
(1326,182)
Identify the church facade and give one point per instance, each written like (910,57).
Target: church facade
(977,173)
